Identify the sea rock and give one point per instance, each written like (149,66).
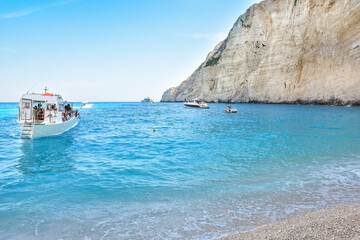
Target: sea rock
(279,51)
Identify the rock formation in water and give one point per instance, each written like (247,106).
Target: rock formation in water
(283,51)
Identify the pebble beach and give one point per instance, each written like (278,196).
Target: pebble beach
(337,223)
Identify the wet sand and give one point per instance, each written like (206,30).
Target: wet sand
(337,223)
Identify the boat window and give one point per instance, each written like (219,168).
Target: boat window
(38,105)
(50,106)
(61,107)
(26,105)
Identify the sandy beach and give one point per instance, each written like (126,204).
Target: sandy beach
(337,223)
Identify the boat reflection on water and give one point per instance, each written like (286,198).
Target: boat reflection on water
(44,156)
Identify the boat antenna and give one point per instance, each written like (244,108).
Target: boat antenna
(33,86)
(46,89)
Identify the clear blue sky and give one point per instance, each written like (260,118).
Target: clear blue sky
(108,50)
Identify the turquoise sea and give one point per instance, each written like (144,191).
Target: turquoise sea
(202,174)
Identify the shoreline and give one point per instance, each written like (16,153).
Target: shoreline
(341,222)
(305,103)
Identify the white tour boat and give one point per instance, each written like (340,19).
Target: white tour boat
(196,104)
(148,100)
(229,109)
(42,115)
(86,105)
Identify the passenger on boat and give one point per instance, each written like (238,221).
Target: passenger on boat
(35,112)
(39,113)
(68,110)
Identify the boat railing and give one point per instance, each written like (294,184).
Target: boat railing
(35,119)
(51,115)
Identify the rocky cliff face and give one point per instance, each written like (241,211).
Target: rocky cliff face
(283,51)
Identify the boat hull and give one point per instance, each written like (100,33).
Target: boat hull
(45,130)
(231,111)
(195,106)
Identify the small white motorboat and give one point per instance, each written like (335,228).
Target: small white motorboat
(196,104)
(86,105)
(42,115)
(148,100)
(229,109)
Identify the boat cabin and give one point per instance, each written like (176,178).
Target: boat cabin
(42,108)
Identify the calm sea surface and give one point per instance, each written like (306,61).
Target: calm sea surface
(200,175)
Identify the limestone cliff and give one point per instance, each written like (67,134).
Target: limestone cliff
(283,51)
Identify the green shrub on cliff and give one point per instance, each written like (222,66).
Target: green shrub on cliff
(212,61)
